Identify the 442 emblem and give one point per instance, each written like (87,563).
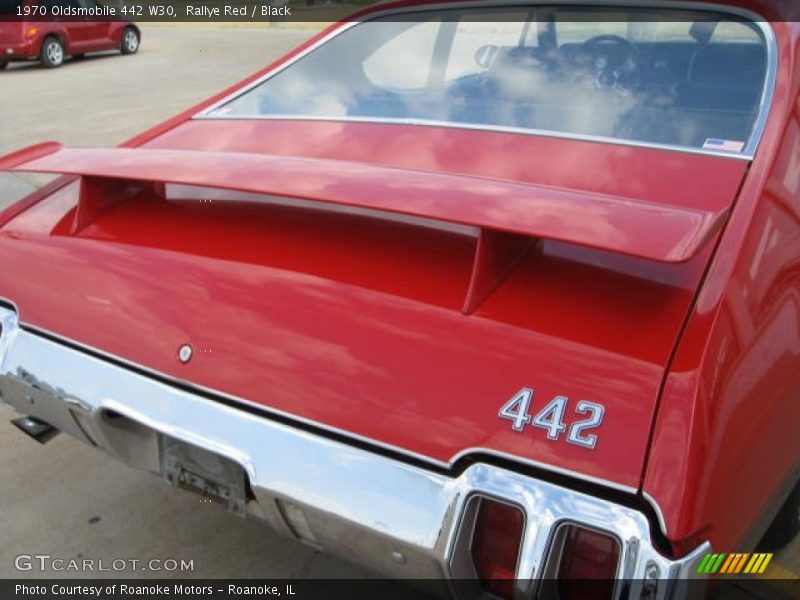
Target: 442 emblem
(551,417)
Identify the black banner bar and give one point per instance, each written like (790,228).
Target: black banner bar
(321,11)
(734,588)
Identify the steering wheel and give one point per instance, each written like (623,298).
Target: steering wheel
(615,63)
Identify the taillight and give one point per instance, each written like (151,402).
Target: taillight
(496,543)
(587,562)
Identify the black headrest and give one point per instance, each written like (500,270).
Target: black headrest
(729,63)
(701,31)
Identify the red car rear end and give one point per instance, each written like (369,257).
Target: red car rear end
(409,300)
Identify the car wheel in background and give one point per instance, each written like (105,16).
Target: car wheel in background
(52,53)
(785,526)
(130,41)
(3,64)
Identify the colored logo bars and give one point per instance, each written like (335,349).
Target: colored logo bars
(734,563)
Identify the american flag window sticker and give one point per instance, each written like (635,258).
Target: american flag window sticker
(724,145)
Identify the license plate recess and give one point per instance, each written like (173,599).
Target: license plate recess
(211,475)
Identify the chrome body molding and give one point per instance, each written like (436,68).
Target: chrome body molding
(662,523)
(747,153)
(267,412)
(401,520)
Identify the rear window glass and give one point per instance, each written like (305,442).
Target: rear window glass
(692,79)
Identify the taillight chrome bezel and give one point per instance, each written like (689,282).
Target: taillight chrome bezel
(555,554)
(546,507)
(462,564)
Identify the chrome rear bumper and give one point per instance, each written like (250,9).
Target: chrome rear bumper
(395,518)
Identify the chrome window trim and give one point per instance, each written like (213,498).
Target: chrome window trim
(400,510)
(747,154)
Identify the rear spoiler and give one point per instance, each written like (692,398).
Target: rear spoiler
(627,226)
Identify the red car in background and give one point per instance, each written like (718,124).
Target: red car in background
(50,42)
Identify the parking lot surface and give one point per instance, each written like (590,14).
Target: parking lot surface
(65,499)
(107,98)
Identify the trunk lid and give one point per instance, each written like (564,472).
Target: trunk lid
(360,324)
